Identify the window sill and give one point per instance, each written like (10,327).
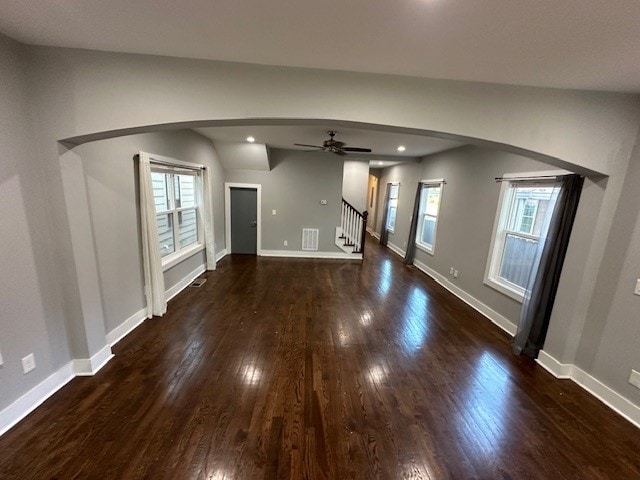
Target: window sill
(175,258)
(424,248)
(504,289)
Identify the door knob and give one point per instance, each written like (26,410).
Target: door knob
(253,224)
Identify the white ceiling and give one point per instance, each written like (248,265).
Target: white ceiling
(383,144)
(585,44)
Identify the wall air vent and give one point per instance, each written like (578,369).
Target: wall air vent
(310,239)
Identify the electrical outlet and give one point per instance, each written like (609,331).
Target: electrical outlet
(455,274)
(286,244)
(451,271)
(273,212)
(634,378)
(28,363)
(637,290)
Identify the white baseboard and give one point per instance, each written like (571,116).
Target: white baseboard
(221,254)
(501,321)
(28,402)
(374,234)
(81,367)
(305,254)
(553,366)
(595,387)
(86,367)
(396,249)
(185,282)
(126,327)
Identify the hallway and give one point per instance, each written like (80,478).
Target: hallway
(294,368)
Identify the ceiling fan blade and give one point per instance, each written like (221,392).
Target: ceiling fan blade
(305,145)
(356,149)
(340,152)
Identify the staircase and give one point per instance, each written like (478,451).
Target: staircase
(350,234)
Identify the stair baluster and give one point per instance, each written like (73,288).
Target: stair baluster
(353,225)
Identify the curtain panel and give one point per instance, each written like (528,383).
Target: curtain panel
(154,289)
(205,212)
(384,233)
(413,230)
(543,281)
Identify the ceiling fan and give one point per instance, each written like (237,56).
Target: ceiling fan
(334,146)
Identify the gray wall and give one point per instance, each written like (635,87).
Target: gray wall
(112,179)
(610,343)
(31,316)
(242,156)
(468,210)
(355,180)
(91,91)
(408,176)
(294,188)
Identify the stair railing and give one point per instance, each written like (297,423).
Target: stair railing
(354,227)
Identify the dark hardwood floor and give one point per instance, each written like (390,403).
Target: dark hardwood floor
(287,368)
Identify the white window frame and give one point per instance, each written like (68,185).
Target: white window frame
(392,230)
(498,237)
(165,165)
(439,183)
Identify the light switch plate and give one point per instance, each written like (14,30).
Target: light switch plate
(28,363)
(323,202)
(637,290)
(634,378)
(273,212)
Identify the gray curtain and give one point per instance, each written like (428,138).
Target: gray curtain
(413,231)
(384,234)
(543,282)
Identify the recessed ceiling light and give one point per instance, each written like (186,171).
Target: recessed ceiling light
(402,148)
(251,139)
(380,163)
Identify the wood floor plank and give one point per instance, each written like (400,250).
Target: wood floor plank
(320,369)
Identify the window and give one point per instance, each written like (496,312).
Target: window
(428,216)
(175,195)
(522,221)
(393,207)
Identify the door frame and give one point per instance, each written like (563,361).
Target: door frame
(227,213)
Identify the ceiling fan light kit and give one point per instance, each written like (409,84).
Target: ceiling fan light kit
(334,146)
